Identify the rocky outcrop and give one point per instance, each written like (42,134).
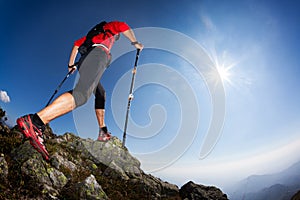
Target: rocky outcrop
(296,196)
(194,191)
(82,169)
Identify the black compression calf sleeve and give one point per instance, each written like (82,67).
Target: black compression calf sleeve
(37,120)
(104,129)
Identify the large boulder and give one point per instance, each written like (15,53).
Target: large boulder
(192,191)
(296,196)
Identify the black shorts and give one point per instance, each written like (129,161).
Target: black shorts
(91,69)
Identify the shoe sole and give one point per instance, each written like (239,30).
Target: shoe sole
(33,138)
(105,138)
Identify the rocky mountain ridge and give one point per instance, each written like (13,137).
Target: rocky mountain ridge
(82,169)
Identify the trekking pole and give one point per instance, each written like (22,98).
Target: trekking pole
(130,97)
(59,86)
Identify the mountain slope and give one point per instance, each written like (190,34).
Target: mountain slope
(278,186)
(82,169)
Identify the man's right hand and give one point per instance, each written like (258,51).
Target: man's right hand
(73,69)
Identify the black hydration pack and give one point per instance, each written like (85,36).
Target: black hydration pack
(88,43)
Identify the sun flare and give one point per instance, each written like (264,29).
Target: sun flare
(224,73)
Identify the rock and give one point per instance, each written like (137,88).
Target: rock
(162,189)
(296,196)
(90,189)
(58,179)
(192,191)
(35,173)
(59,162)
(3,169)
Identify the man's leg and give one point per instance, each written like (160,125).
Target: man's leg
(100,113)
(100,104)
(104,135)
(60,106)
(33,125)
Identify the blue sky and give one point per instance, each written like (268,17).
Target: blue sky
(255,42)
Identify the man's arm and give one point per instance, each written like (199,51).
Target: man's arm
(73,56)
(130,35)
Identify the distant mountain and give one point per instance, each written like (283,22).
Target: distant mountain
(275,192)
(278,186)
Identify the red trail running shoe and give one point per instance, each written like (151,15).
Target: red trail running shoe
(34,134)
(103,135)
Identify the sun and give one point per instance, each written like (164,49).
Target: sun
(221,73)
(223,69)
(224,73)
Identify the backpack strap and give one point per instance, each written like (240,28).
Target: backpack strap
(88,43)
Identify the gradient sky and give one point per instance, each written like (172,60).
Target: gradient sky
(257,42)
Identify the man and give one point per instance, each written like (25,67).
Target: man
(92,64)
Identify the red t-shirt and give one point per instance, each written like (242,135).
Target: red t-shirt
(107,39)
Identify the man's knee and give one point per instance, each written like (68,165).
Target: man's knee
(80,98)
(99,104)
